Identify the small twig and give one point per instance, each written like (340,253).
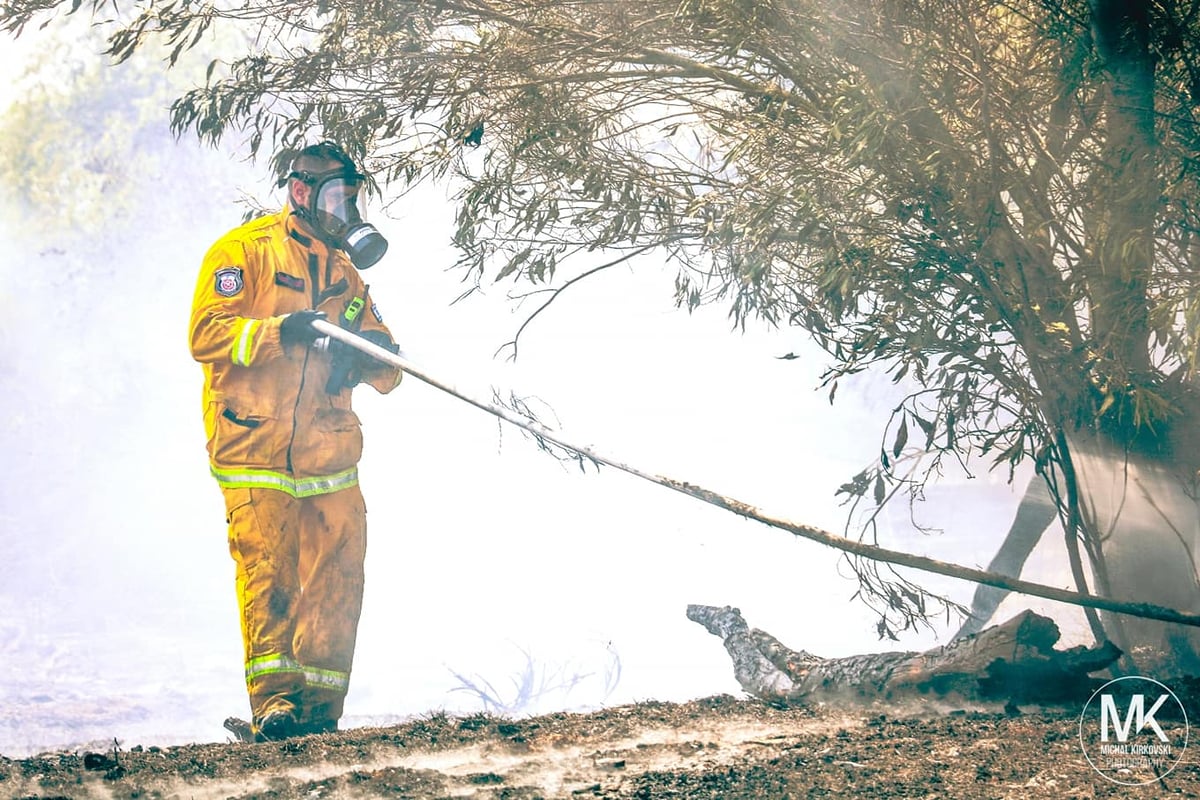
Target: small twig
(556,292)
(520,405)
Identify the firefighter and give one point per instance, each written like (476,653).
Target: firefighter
(283,440)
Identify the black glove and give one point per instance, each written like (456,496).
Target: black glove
(380,338)
(349,363)
(297,328)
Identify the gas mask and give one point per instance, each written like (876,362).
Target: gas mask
(332,212)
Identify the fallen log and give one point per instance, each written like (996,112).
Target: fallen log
(1014,662)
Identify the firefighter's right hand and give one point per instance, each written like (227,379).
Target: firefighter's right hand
(297,328)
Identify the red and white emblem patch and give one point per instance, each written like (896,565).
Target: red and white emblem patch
(229,281)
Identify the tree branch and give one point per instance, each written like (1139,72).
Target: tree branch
(516,337)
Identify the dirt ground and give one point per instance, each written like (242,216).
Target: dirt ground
(719,747)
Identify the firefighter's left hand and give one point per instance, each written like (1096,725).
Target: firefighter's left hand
(377,338)
(352,362)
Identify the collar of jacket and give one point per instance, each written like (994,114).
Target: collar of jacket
(298,234)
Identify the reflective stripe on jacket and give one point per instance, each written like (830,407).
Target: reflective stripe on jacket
(269,418)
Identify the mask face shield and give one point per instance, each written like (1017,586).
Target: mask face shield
(333,212)
(335,206)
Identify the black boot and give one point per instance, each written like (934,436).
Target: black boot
(242,730)
(275,726)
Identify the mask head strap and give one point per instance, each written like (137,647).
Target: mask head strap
(323,151)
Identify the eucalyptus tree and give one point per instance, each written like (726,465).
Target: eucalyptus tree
(993,203)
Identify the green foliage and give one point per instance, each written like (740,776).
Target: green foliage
(83,146)
(78,187)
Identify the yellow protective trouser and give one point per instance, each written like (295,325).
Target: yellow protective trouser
(299,586)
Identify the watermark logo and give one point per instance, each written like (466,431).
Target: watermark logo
(1133,730)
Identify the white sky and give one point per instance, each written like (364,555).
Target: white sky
(480,546)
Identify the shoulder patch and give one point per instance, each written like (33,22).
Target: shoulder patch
(290,281)
(375,311)
(229,281)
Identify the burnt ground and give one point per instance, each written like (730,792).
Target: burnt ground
(719,747)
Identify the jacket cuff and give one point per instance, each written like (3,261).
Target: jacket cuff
(386,380)
(268,346)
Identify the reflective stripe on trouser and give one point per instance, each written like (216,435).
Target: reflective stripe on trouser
(299,585)
(296,487)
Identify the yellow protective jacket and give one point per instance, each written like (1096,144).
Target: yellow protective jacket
(271,422)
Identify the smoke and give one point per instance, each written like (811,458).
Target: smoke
(1146,517)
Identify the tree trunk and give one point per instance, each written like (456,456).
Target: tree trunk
(1127,188)
(1014,662)
(1035,514)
